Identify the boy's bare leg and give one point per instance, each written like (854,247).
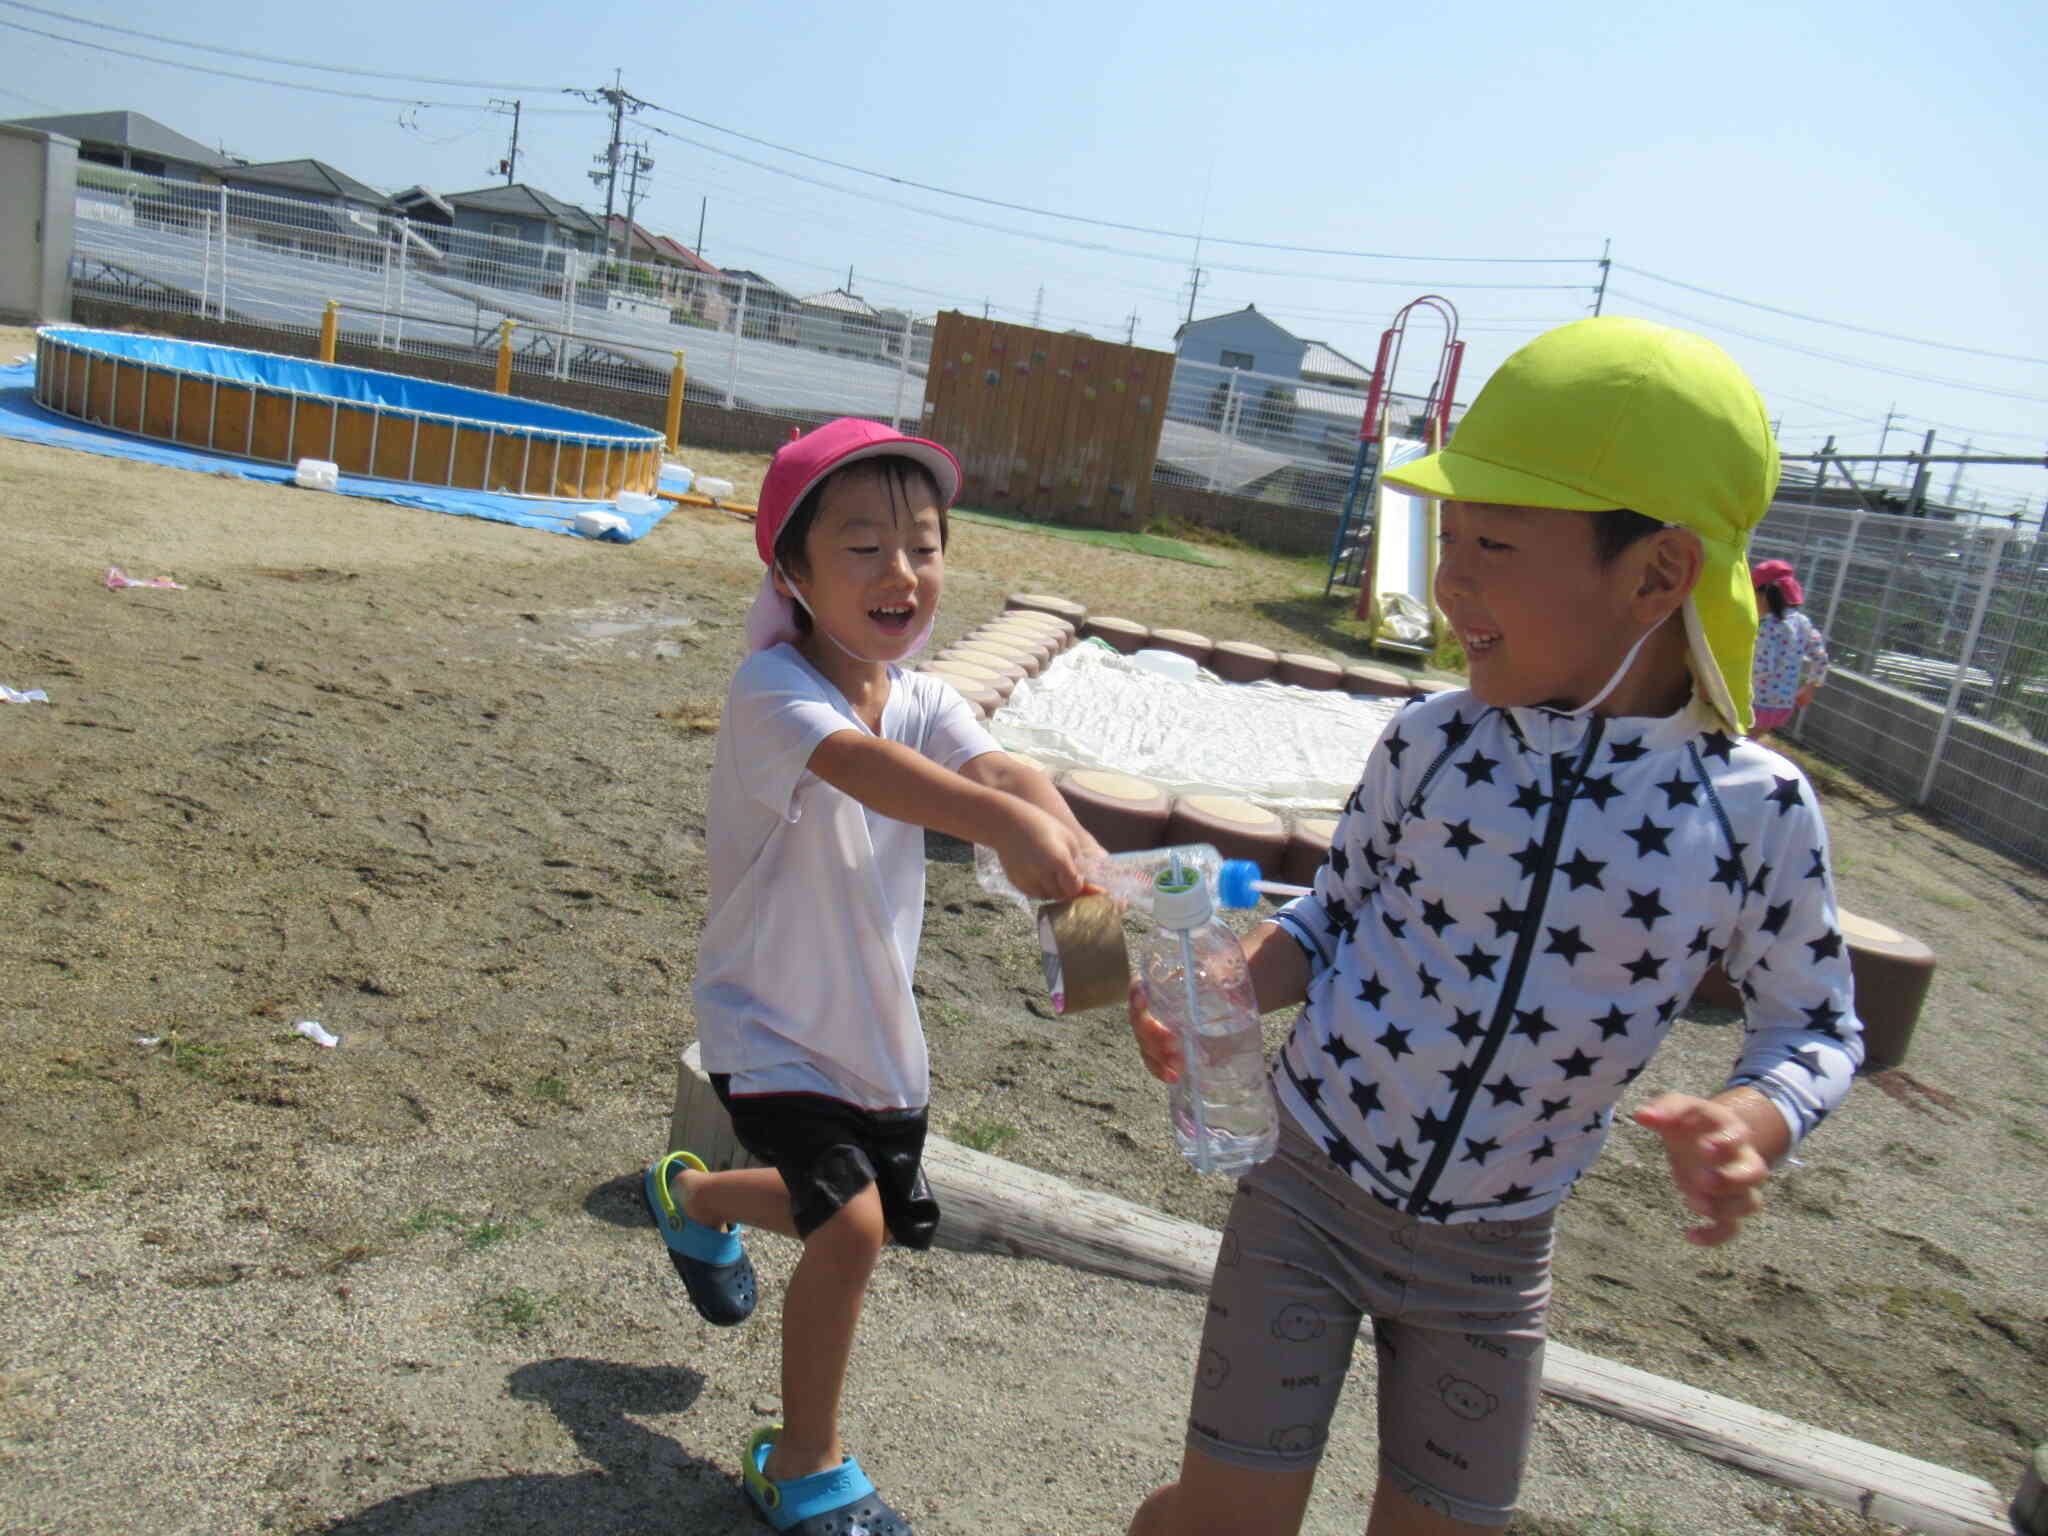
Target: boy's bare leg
(1214,1498)
(819,1314)
(754,1197)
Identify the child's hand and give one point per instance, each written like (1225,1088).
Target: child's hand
(1043,857)
(1159,1045)
(1714,1162)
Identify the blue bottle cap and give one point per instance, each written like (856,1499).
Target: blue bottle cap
(1235,883)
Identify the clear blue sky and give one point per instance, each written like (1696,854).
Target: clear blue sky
(1873,164)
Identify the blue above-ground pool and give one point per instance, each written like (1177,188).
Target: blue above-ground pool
(265,406)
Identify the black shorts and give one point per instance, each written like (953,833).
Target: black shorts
(828,1151)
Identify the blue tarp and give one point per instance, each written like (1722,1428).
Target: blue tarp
(366,385)
(25,421)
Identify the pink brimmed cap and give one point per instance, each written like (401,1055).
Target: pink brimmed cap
(1778,573)
(802,462)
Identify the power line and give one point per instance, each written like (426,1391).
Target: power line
(235,74)
(1844,325)
(268,58)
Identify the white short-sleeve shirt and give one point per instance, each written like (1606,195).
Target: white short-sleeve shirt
(817,903)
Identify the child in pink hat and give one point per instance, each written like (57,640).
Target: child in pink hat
(1791,655)
(832,760)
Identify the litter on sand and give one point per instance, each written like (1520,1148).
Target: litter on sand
(118,578)
(29,696)
(312,1030)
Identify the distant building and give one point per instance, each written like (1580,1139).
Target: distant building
(1244,339)
(309,208)
(767,313)
(516,236)
(132,141)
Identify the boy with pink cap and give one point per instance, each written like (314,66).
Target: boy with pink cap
(1791,655)
(832,760)
(1527,883)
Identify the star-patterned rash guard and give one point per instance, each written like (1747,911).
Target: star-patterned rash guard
(1515,906)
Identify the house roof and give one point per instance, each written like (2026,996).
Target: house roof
(315,176)
(684,254)
(840,300)
(128,130)
(523,202)
(413,197)
(1249,309)
(755,280)
(1324,359)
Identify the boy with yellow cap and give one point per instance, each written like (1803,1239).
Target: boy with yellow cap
(1524,888)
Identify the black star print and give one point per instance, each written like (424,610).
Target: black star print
(1436,915)
(1530,858)
(1393,831)
(1632,1074)
(1650,838)
(1430,1128)
(1515,1194)
(1625,751)
(1477,1151)
(1477,963)
(1718,744)
(1530,799)
(1679,791)
(1336,916)
(1646,908)
(1429,981)
(1668,1009)
(1729,872)
(1461,1077)
(1566,942)
(1366,1097)
(1786,794)
(1774,917)
(1818,870)
(1702,942)
(1578,1064)
(1339,1051)
(1372,991)
(1355,801)
(1395,743)
(1398,1159)
(1599,788)
(1761,878)
(1374,858)
(1544,1148)
(1591,1125)
(1340,861)
(1342,1153)
(1581,870)
(1552,1108)
(1468,1028)
(1435,1210)
(1394,1042)
(1455,730)
(1394,925)
(1505,1090)
(1645,967)
(1532,1024)
(1827,946)
(1613,1022)
(1506,920)
(1406,877)
(1823,1018)
(1809,1058)
(1478,769)
(1311,1089)
(1460,838)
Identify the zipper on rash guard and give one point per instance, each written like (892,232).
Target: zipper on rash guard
(1418,1202)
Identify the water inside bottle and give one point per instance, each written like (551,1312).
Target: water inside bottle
(1237,1105)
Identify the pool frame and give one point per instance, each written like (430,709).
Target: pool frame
(555,453)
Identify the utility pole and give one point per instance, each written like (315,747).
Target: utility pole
(1955,481)
(1883,438)
(849,279)
(509,166)
(620,101)
(1195,277)
(1038,307)
(1131,328)
(638,164)
(703,203)
(1600,294)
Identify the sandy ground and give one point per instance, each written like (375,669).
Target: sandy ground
(439,784)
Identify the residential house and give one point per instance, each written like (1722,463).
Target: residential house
(1242,341)
(767,313)
(307,208)
(514,236)
(132,141)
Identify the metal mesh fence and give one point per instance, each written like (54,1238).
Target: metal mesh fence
(1937,635)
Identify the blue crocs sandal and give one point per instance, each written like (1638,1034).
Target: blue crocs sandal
(840,1502)
(714,1265)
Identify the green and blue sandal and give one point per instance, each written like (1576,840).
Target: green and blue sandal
(714,1264)
(837,1502)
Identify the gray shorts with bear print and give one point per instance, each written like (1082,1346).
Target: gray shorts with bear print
(1458,1324)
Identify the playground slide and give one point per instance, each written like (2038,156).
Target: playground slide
(1404,563)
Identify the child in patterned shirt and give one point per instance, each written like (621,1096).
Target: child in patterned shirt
(1791,656)
(1524,888)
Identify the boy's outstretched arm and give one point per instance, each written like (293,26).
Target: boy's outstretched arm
(1042,853)
(1721,1150)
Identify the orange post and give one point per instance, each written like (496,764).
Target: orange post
(675,405)
(505,358)
(330,323)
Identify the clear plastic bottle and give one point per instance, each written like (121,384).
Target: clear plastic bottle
(1128,878)
(1225,1119)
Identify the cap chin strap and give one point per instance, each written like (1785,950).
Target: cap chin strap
(923,635)
(1619,673)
